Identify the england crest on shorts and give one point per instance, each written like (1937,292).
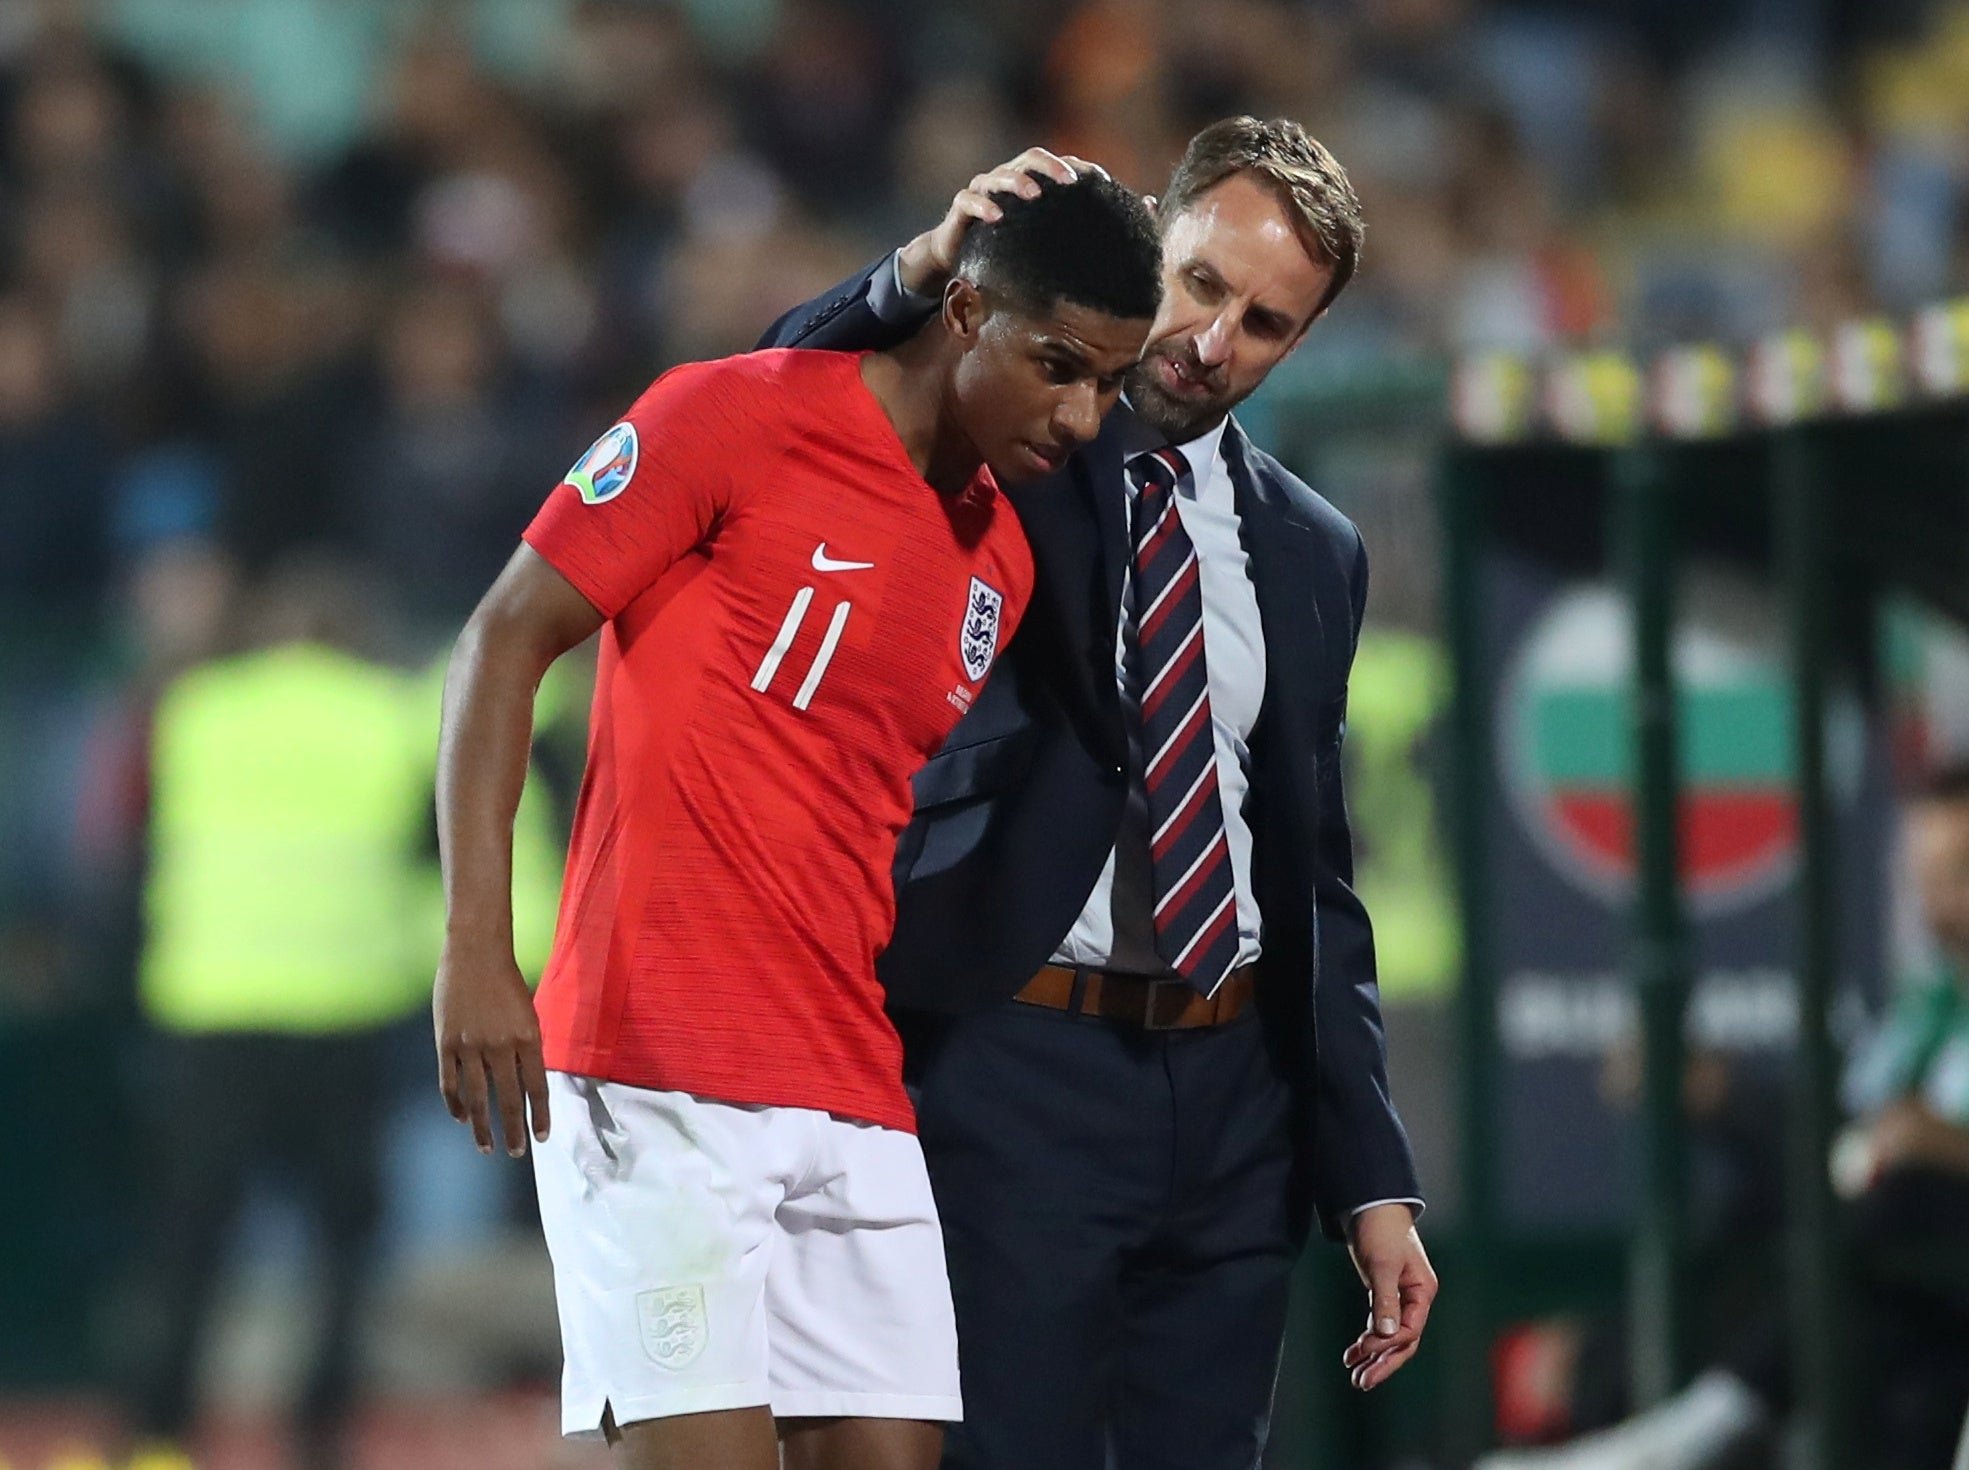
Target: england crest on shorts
(978,640)
(674,1324)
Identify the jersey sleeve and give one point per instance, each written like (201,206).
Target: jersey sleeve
(653,486)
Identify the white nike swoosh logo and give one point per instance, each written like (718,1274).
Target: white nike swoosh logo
(825,563)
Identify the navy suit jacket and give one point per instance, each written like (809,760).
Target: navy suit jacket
(1015,817)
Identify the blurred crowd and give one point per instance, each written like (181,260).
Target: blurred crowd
(276,274)
(286,280)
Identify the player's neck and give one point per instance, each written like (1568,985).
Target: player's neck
(911,383)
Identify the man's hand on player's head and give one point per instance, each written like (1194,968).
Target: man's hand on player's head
(489,1045)
(928,260)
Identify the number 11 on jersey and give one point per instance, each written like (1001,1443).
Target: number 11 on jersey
(788,631)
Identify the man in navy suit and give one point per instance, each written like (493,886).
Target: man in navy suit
(1138,988)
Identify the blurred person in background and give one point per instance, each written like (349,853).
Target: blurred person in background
(54,574)
(430,105)
(1902,1167)
(54,543)
(1904,1162)
(1106,953)
(442,472)
(257,385)
(286,791)
(177,610)
(744,1243)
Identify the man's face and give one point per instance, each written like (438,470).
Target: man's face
(1238,292)
(1938,839)
(1031,389)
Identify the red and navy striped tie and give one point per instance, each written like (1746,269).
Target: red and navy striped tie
(1190,856)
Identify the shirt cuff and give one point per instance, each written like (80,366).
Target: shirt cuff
(1414,1204)
(892,301)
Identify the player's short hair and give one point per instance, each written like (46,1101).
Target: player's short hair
(1092,242)
(1307,180)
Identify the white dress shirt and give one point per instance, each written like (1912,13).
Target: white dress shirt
(1116,930)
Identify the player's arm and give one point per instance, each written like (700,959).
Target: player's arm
(488,1038)
(1907,1133)
(889,302)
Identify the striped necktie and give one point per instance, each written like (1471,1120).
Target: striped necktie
(1189,853)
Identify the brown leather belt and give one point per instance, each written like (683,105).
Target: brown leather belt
(1141,1000)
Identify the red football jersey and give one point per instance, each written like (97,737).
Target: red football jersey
(796,620)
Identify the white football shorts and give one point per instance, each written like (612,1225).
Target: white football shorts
(712,1255)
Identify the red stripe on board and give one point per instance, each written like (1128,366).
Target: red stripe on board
(1721,832)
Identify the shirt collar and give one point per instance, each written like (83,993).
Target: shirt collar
(1201,452)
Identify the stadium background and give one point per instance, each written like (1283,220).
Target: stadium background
(284,274)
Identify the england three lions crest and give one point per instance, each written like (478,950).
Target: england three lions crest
(674,1324)
(978,640)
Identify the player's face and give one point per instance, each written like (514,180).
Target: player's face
(1238,293)
(1032,389)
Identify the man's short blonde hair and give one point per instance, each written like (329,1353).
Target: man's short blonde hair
(1308,181)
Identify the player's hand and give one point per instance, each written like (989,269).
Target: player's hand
(927,261)
(1908,1134)
(489,1049)
(1401,1285)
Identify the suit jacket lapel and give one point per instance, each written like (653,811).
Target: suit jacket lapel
(1110,502)
(1283,805)
(1074,522)
(1284,572)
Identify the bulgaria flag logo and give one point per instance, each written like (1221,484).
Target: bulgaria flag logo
(1568,745)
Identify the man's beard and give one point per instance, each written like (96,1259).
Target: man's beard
(1178,420)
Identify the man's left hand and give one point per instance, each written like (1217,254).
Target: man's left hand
(1401,1285)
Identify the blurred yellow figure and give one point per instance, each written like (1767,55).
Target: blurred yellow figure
(77,1459)
(289,790)
(286,802)
(159,1457)
(1396,699)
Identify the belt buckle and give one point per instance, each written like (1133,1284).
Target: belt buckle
(1158,988)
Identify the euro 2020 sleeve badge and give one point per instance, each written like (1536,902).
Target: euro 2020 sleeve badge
(605,470)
